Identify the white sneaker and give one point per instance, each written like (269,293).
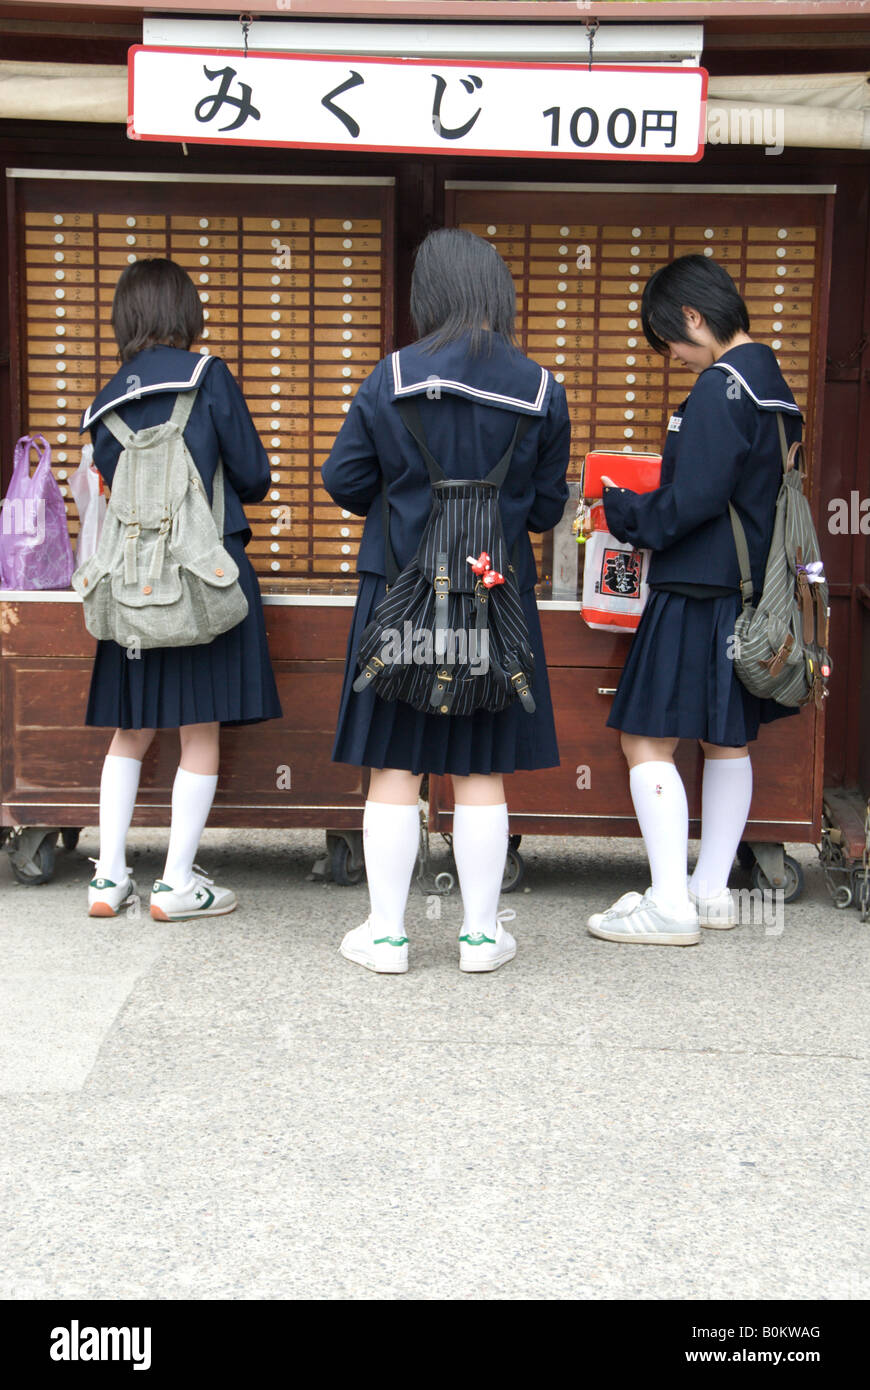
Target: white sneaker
(719,913)
(200,898)
(648,924)
(387,955)
(627,903)
(479,952)
(106,897)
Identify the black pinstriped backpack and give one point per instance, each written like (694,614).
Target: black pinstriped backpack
(450,636)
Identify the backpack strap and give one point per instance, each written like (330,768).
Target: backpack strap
(747,591)
(740,545)
(182,408)
(390,562)
(217,499)
(410,413)
(442,689)
(180,416)
(115,425)
(498,474)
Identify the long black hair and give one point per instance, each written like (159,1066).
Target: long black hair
(461,284)
(155,302)
(696,282)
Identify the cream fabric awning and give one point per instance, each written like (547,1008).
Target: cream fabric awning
(829,111)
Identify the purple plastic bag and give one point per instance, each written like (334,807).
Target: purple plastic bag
(35,549)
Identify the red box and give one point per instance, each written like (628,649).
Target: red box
(639,472)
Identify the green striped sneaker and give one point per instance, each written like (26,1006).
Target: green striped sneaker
(386,954)
(480,951)
(201,898)
(105,896)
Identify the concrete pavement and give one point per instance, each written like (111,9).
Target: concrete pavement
(228,1109)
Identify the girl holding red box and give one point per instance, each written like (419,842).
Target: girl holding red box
(722,446)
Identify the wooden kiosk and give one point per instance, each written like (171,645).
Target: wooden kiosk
(298,276)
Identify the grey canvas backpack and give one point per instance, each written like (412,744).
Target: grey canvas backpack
(781,644)
(160,576)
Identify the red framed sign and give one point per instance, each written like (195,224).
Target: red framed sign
(461,106)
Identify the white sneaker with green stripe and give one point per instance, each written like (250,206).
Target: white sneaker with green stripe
(105,896)
(386,954)
(200,898)
(480,951)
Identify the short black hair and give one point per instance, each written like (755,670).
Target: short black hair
(155,302)
(698,282)
(460,283)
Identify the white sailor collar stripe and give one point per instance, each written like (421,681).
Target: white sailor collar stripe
(759,400)
(463,388)
(192,382)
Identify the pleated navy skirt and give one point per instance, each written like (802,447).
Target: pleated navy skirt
(229,679)
(679,679)
(379,733)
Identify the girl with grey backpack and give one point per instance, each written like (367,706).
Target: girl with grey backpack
(710,525)
(169,593)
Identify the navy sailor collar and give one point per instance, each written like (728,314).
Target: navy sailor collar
(154,369)
(755,368)
(505,378)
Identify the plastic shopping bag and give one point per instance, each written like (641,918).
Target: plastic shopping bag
(86,488)
(35,549)
(615,588)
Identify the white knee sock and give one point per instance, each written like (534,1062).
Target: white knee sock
(119,784)
(725,797)
(391,841)
(192,795)
(663,814)
(480,842)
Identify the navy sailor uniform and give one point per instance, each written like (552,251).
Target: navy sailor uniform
(469,407)
(722,444)
(229,679)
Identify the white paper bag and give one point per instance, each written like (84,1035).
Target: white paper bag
(615,588)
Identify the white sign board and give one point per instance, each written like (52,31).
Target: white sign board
(418,105)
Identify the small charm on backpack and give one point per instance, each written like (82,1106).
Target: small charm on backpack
(492,577)
(814,572)
(481,564)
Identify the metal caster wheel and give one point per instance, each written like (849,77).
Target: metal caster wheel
(794,880)
(39,868)
(514,871)
(843,896)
